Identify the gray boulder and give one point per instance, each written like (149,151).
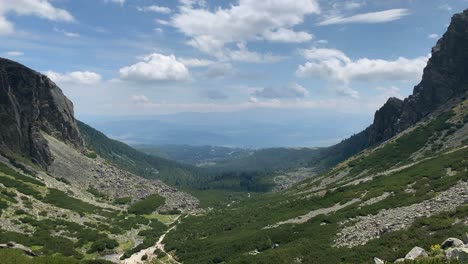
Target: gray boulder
(378,261)
(465,238)
(463,257)
(457,253)
(451,242)
(399,260)
(14,245)
(415,253)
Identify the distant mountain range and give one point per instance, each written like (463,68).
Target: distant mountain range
(277,128)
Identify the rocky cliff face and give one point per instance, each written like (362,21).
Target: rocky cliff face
(445,77)
(31,104)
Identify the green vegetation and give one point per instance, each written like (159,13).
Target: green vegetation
(151,236)
(246,173)
(127,158)
(97,193)
(400,151)
(195,155)
(122,200)
(20,186)
(91,155)
(64,180)
(102,244)
(11,256)
(27,179)
(7,195)
(50,244)
(229,234)
(62,200)
(147,205)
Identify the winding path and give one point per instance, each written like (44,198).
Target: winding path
(136,258)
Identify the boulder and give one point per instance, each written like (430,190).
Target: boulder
(14,245)
(451,242)
(463,257)
(457,253)
(465,238)
(378,261)
(415,253)
(400,260)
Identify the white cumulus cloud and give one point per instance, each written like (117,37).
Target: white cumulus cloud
(287,35)
(76,77)
(292,90)
(156,67)
(40,8)
(335,65)
(211,30)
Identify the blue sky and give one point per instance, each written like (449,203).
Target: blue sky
(151,57)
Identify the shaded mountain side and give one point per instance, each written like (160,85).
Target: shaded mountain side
(30,103)
(130,159)
(445,78)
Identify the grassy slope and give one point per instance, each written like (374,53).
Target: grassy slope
(228,235)
(49,232)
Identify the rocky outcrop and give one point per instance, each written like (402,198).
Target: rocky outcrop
(364,228)
(452,249)
(31,104)
(13,245)
(445,78)
(385,119)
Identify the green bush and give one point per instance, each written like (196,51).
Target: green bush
(64,180)
(103,244)
(91,155)
(147,205)
(122,200)
(96,193)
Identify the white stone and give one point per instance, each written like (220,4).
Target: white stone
(451,242)
(416,252)
(378,261)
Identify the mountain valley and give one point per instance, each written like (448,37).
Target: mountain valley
(392,193)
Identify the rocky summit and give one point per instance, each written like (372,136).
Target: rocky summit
(30,105)
(445,78)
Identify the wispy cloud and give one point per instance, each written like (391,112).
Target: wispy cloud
(373,17)
(154,8)
(14,53)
